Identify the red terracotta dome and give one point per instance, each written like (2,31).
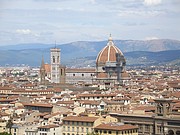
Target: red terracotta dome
(108,53)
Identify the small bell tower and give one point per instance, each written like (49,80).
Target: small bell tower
(163,107)
(42,72)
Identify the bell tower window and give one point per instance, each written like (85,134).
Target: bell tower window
(53,59)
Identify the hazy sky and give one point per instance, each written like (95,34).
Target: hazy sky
(63,21)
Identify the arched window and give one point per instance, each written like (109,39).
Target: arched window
(178,132)
(53,59)
(170,132)
(57,58)
(61,72)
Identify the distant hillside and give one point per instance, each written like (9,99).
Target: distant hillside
(96,46)
(84,52)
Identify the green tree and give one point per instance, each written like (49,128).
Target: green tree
(5,133)
(9,124)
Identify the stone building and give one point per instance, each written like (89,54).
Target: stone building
(163,122)
(110,68)
(116,129)
(110,65)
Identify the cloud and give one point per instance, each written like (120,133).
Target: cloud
(147,13)
(93,1)
(151,38)
(23,31)
(152,2)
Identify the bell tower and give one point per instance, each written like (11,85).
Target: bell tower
(42,72)
(55,63)
(163,107)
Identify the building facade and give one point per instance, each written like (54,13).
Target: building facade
(73,125)
(162,122)
(116,129)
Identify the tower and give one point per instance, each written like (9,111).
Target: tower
(163,107)
(55,63)
(42,72)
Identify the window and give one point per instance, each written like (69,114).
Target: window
(82,74)
(73,74)
(147,128)
(57,58)
(53,59)
(140,128)
(109,132)
(61,72)
(105,131)
(68,128)
(82,129)
(72,129)
(87,130)
(77,129)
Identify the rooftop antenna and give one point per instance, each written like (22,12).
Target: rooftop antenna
(55,43)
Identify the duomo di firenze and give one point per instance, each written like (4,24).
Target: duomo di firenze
(110,69)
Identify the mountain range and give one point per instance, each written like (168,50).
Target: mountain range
(83,53)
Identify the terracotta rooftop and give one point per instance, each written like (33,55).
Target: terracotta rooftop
(80,119)
(115,127)
(47,68)
(96,95)
(49,126)
(85,70)
(38,104)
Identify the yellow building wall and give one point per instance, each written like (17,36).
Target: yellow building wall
(3,126)
(119,132)
(78,128)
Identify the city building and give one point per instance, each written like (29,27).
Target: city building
(73,125)
(163,122)
(116,129)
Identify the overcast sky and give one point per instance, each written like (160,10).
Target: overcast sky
(64,21)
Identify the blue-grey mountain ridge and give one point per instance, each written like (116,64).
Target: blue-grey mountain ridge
(83,53)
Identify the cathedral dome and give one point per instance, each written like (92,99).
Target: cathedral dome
(108,53)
